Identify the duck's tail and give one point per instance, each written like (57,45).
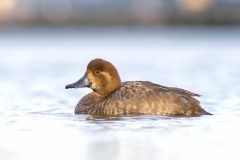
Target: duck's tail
(206,113)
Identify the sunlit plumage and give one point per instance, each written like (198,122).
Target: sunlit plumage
(110,96)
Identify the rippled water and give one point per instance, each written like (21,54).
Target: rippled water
(36,112)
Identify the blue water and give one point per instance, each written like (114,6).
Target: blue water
(36,112)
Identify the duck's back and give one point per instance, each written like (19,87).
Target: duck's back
(138,97)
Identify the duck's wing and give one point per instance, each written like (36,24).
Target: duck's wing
(138,89)
(149,98)
(177,90)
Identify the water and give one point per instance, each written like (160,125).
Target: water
(36,112)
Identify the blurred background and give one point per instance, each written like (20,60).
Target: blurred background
(124,12)
(46,44)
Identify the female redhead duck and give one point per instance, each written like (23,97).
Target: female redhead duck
(111,97)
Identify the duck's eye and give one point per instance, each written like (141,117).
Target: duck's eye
(98,72)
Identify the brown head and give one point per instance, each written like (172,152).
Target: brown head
(101,76)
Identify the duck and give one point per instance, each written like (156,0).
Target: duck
(111,97)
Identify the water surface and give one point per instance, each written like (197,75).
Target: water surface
(36,112)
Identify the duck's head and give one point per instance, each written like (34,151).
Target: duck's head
(101,76)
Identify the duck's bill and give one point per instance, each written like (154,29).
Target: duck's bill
(83,82)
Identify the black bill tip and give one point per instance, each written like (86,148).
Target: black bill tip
(69,86)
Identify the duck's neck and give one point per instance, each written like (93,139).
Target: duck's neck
(110,87)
